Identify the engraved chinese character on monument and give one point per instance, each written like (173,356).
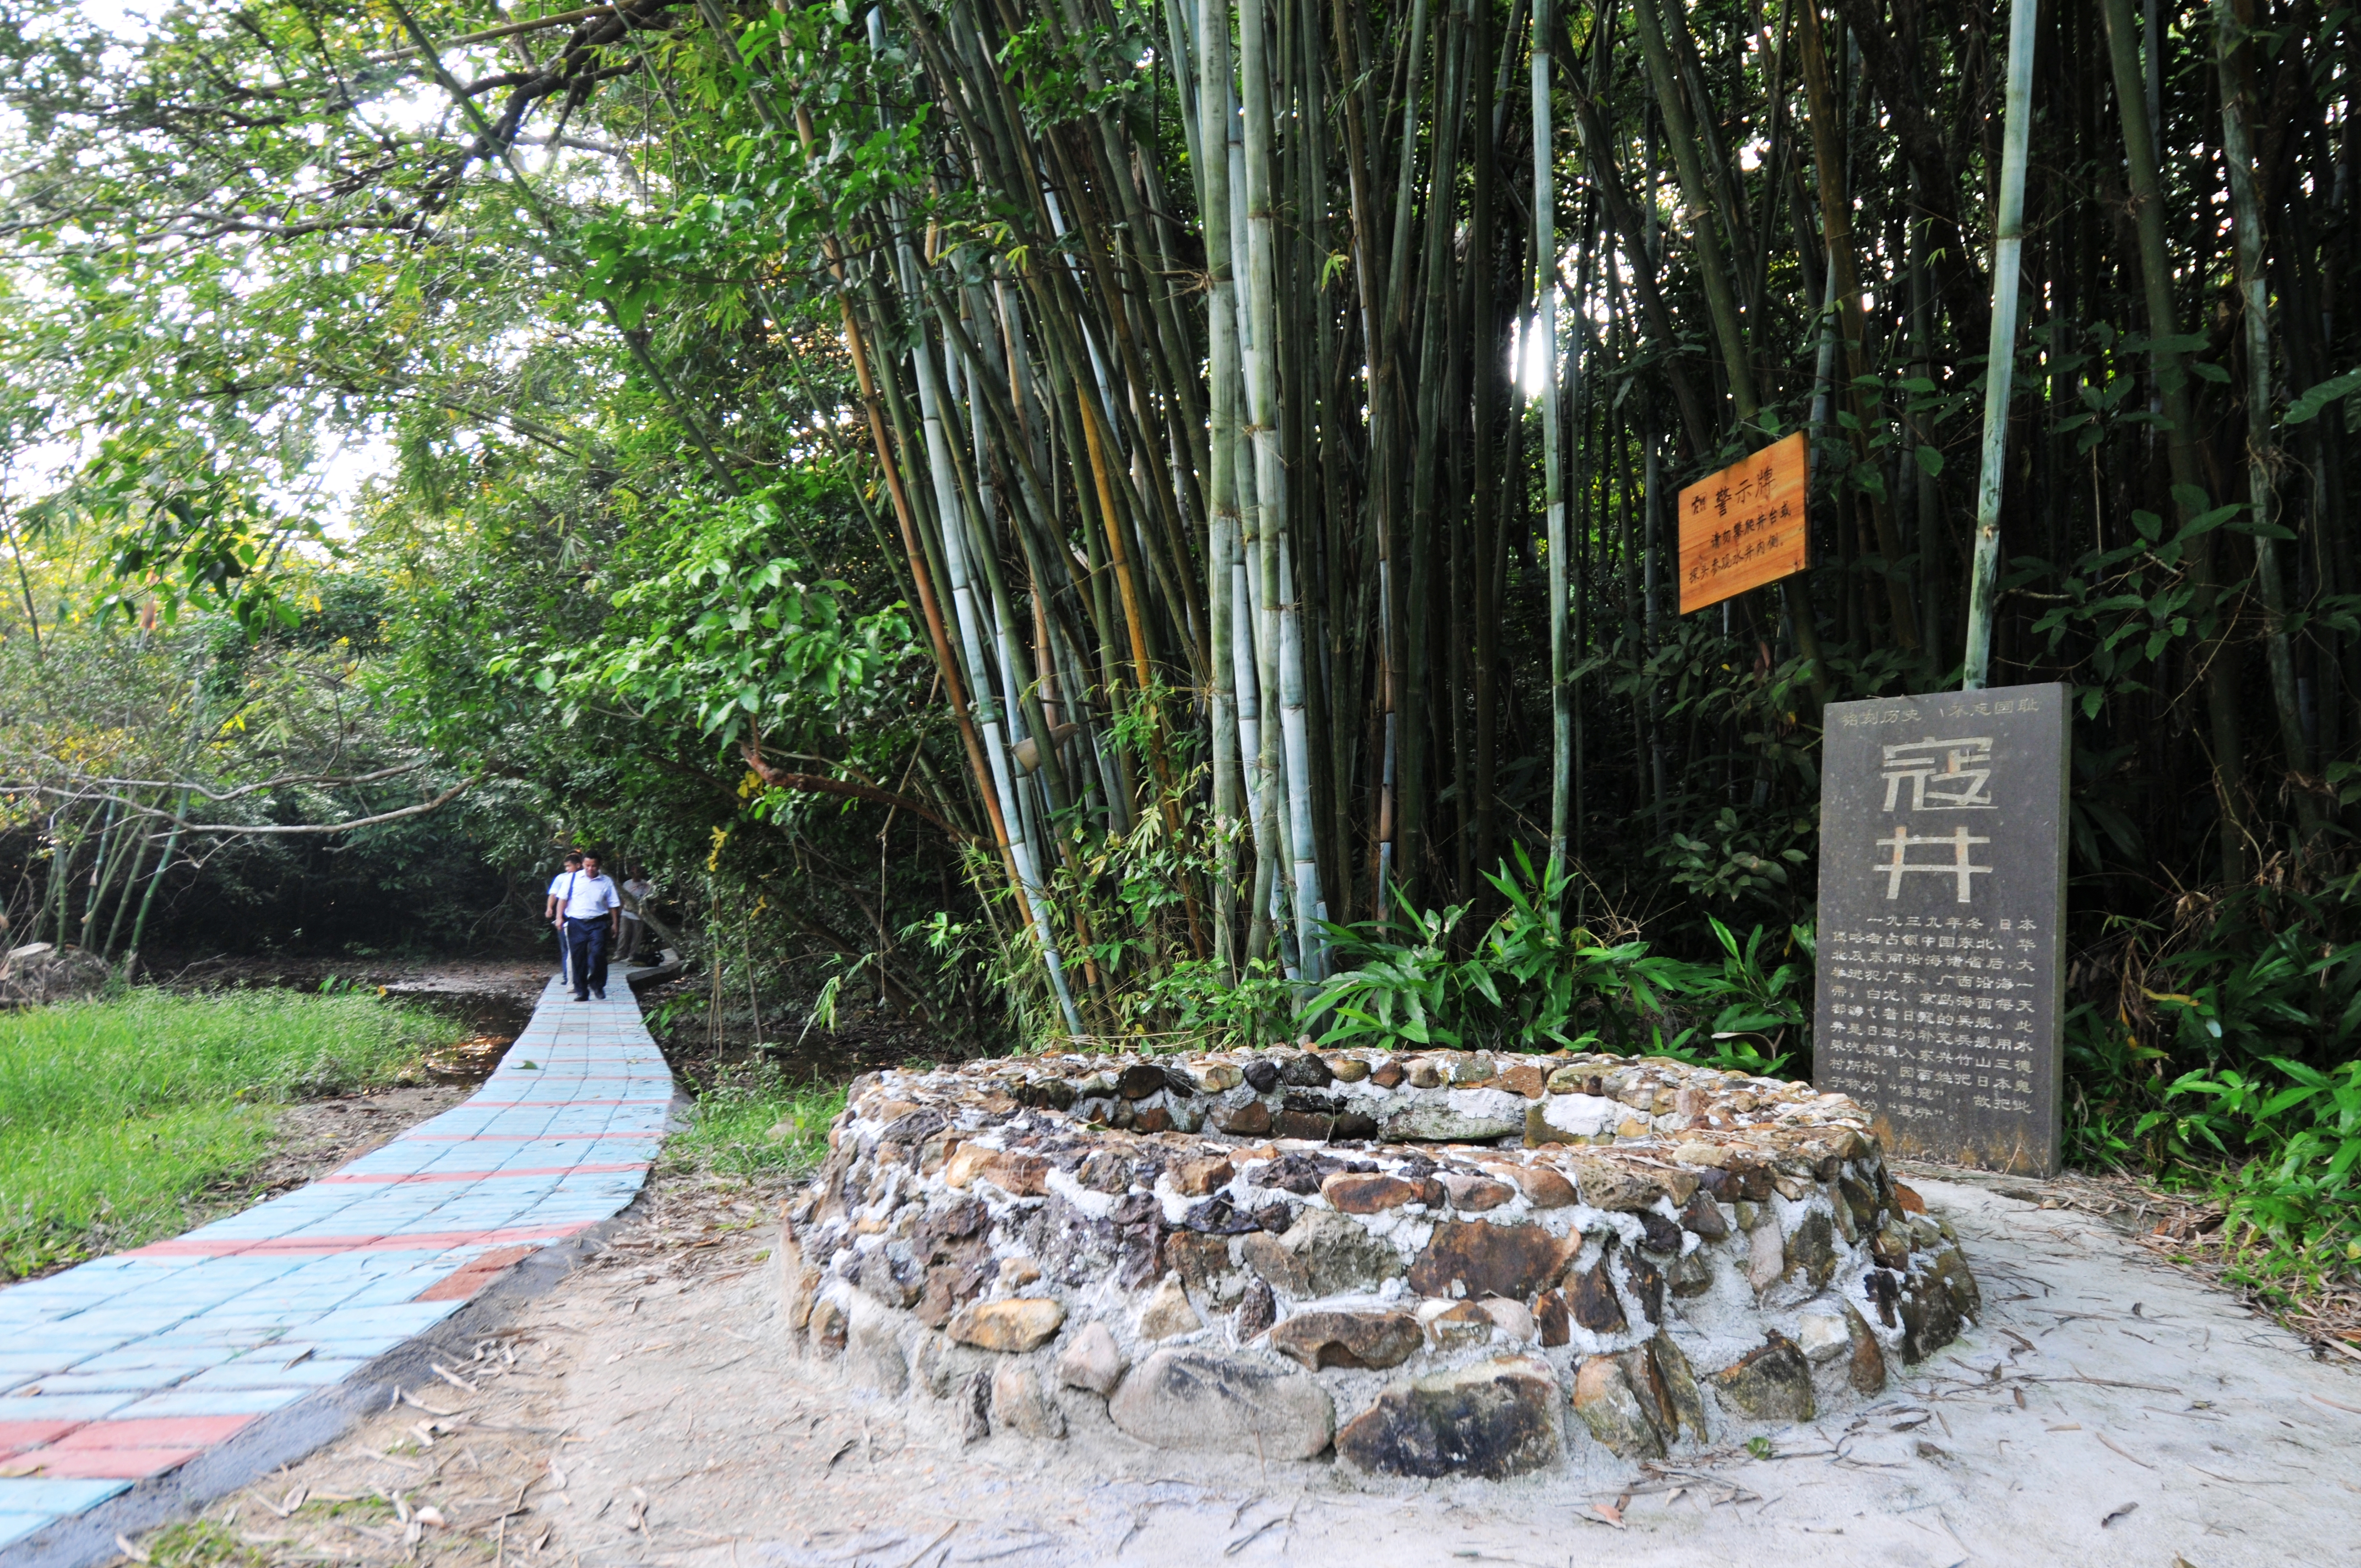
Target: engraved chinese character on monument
(1942,910)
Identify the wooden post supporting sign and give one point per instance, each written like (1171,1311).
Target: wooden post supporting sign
(1744,526)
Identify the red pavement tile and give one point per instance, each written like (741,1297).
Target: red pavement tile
(414,1240)
(97,1464)
(465,1282)
(392,1178)
(18,1436)
(156,1432)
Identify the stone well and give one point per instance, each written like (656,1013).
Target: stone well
(1433,1262)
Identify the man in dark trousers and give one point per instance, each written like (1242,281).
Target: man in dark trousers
(592,910)
(553,911)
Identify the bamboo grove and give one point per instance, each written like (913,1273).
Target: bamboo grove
(1270,411)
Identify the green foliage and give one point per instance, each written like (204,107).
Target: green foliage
(725,635)
(1735,863)
(203,1543)
(117,1115)
(1536,981)
(1764,1017)
(753,1120)
(1206,1008)
(2289,1142)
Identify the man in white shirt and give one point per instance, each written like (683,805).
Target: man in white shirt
(592,910)
(559,885)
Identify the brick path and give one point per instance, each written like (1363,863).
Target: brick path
(129,1366)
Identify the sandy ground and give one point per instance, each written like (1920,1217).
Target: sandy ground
(2110,1410)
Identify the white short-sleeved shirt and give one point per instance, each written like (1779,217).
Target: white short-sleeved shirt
(587,897)
(557,883)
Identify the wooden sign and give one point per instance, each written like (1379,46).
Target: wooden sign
(1744,526)
(1941,976)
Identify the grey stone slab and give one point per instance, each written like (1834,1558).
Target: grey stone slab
(1942,913)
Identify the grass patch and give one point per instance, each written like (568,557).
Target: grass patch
(115,1114)
(741,1110)
(201,1544)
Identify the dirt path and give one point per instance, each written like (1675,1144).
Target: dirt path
(2110,1410)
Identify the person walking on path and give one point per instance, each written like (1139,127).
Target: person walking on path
(593,910)
(560,886)
(635,889)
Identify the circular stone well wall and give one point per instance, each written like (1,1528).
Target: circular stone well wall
(1436,1263)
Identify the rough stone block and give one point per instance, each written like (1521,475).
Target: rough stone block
(1543,1188)
(1770,1383)
(1523,1077)
(1458,1325)
(1864,1357)
(1613,1410)
(872,1347)
(1766,1252)
(1091,1361)
(1365,1340)
(1321,1253)
(1018,1175)
(1474,1194)
(1590,1296)
(1167,1314)
(1822,1334)
(1257,1311)
(1019,1403)
(1494,1419)
(1012,1327)
(1677,1380)
(1611,1185)
(1704,1216)
(1194,1176)
(1251,1120)
(1552,1319)
(1197,1399)
(1473,1258)
(1352,1193)
(1205,1265)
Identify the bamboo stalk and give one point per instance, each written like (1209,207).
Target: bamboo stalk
(2230,29)
(2226,765)
(1544,286)
(2000,363)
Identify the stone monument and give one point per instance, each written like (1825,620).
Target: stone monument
(1942,906)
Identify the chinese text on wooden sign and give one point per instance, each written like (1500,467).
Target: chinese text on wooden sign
(1943,902)
(1744,526)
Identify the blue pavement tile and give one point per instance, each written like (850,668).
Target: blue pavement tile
(213,1402)
(402,1318)
(35,1494)
(64,1407)
(19,1365)
(317,1373)
(138,1380)
(147,1356)
(16,1527)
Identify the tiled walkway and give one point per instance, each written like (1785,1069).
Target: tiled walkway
(131,1366)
